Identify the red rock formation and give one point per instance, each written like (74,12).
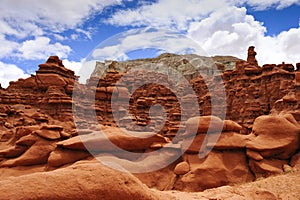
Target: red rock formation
(50,90)
(225,164)
(253,93)
(98,141)
(37,127)
(250,92)
(217,169)
(96,182)
(271,146)
(251,57)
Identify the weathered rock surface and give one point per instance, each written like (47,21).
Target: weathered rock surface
(275,141)
(60,157)
(36,154)
(250,90)
(227,140)
(203,124)
(295,162)
(80,181)
(38,132)
(109,139)
(48,90)
(182,168)
(219,168)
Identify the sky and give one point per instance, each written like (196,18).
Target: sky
(32,30)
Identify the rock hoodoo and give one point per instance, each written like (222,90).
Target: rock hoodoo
(49,90)
(251,57)
(258,137)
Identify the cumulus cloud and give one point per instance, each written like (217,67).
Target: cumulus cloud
(86,70)
(219,27)
(10,72)
(41,48)
(230,31)
(227,31)
(72,65)
(282,48)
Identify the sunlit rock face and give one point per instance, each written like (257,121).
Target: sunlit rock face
(43,126)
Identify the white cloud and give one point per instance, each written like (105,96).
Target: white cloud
(10,72)
(266,4)
(6,28)
(179,13)
(86,70)
(59,37)
(72,65)
(74,36)
(167,13)
(79,32)
(54,15)
(7,47)
(139,39)
(41,48)
(219,27)
(227,31)
(230,31)
(85,32)
(20,20)
(282,48)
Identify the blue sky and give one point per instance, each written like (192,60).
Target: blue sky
(32,30)
(276,20)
